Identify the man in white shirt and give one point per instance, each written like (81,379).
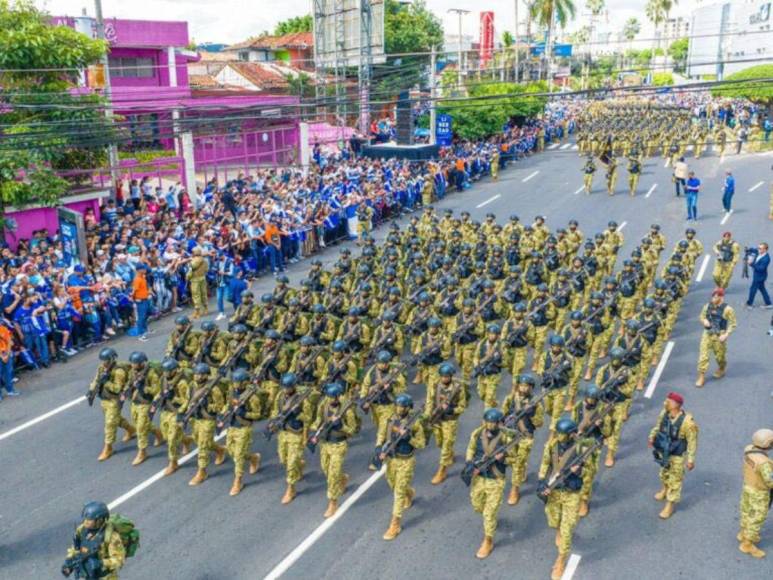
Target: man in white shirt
(681,172)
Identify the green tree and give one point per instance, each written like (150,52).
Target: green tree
(508,39)
(548,13)
(44,126)
(297,24)
(483,116)
(631,28)
(756,90)
(678,52)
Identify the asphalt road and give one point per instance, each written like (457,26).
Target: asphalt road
(50,467)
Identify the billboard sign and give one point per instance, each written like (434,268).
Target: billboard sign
(444,130)
(338,27)
(486,37)
(562,50)
(73,233)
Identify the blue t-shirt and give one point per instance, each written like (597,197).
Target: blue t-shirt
(692,185)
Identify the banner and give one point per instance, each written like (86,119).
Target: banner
(443,130)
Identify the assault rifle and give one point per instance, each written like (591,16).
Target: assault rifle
(487,360)
(166,393)
(277,423)
(84,564)
(546,486)
(205,348)
(512,420)
(133,386)
(180,344)
(224,419)
(484,463)
(97,390)
(378,388)
(388,449)
(327,425)
(443,403)
(550,377)
(464,328)
(196,404)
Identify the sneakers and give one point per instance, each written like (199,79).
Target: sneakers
(13,393)
(110,331)
(177,309)
(143,338)
(220,316)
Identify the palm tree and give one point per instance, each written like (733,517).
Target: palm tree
(631,28)
(549,12)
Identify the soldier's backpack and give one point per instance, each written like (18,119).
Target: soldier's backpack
(130,535)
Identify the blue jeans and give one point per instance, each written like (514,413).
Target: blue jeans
(692,206)
(222,294)
(143,307)
(727,199)
(6,374)
(275,258)
(758,286)
(37,346)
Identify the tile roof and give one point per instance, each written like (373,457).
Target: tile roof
(292,40)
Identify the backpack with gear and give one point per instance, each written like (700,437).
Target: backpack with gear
(130,535)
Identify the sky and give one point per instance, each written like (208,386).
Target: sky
(231,21)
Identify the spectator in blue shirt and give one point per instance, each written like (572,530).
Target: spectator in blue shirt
(728,191)
(692,188)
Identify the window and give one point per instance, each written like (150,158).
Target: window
(244,55)
(131,67)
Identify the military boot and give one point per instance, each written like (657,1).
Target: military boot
(440,475)
(748,548)
(486,547)
(661,495)
(201,475)
(610,460)
(584,509)
(158,437)
(171,468)
(719,373)
(393,530)
(558,568)
(332,508)
(515,496)
(667,511)
(107,452)
(130,433)
(289,494)
(254,463)
(701,380)
(140,457)
(219,455)
(237,486)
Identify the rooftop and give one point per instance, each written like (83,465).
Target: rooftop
(292,40)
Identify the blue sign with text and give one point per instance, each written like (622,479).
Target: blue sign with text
(443,130)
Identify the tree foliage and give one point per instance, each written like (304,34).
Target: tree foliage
(295,24)
(481,118)
(758,92)
(45,127)
(678,52)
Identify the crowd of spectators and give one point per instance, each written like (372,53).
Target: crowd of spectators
(253,225)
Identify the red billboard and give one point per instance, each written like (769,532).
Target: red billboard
(486,37)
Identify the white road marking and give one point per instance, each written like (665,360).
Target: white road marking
(42,417)
(565,146)
(727,217)
(153,479)
(659,370)
(579,190)
(553,146)
(756,186)
(528,177)
(488,201)
(652,188)
(621,226)
(307,543)
(666,163)
(571,567)
(704,265)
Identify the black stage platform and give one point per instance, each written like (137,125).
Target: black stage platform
(421,152)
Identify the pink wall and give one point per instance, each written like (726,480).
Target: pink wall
(30,220)
(160,77)
(137,33)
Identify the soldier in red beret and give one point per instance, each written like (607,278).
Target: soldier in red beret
(674,441)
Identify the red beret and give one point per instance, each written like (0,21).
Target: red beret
(676,397)
(727,234)
(718,292)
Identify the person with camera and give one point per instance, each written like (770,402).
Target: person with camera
(674,440)
(758,260)
(727,251)
(718,320)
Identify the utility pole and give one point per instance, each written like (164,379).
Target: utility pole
(432,96)
(517,74)
(459,12)
(112,149)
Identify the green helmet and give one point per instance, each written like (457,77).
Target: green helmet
(493,415)
(138,357)
(404,400)
(384,356)
(169,365)
(565,426)
(446,370)
(616,353)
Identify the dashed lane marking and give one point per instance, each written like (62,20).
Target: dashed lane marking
(531,175)
(727,217)
(756,186)
(41,418)
(702,270)
(652,188)
(579,190)
(571,567)
(488,201)
(659,370)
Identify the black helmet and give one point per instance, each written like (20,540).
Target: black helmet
(493,328)
(592,392)
(446,370)
(389,316)
(107,354)
(527,378)
(289,380)
(384,356)
(616,353)
(577,315)
(283,279)
(95,510)
(318,309)
(339,346)
(404,400)
(169,365)
(138,357)
(632,324)
(267,298)
(201,369)
(519,307)
(493,415)
(239,375)
(208,326)
(434,322)
(565,426)
(649,303)
(182,320)
(307,341)
(272,334)
(239,329)
(556,340)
